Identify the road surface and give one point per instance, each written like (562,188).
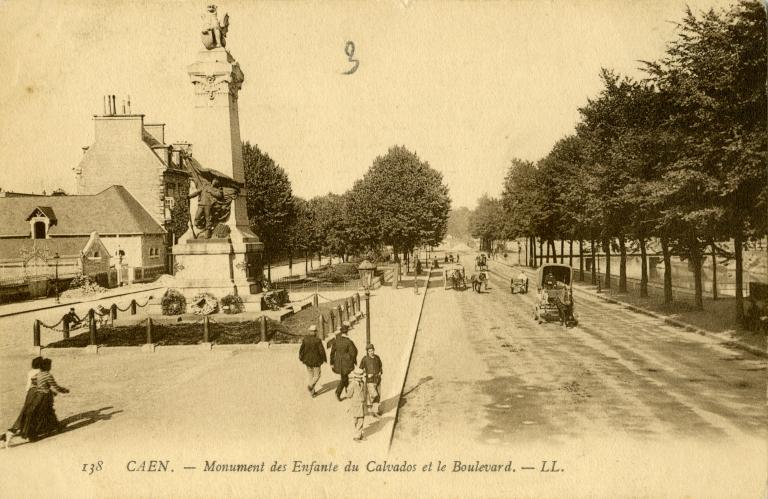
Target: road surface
(485,373)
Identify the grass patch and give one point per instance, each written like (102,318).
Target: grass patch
(230,333)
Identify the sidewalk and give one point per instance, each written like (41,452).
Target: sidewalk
(168,402)
(24,307)
(590,291)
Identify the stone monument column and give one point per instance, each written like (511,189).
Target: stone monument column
(216,143)
(227,259)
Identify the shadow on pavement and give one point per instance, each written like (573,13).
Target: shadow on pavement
(86,418)
(378,425)
(390,403)
(327,387)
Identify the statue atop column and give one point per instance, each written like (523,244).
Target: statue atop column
(214,33)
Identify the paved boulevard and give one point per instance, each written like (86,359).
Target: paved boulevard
(484,371)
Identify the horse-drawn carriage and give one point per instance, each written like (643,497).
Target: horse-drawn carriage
(481,262)
(479,280)
(519,284)
(454,277)
(554,283)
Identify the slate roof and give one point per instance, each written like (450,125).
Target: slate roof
(47,211)
(112,211)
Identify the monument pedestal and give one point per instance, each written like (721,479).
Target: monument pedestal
(219,267)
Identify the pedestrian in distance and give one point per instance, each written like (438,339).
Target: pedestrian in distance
(343,358)
(372,367)
(356,401)
(71,319)
(312,355)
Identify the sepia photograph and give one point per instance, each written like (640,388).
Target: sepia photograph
(390,248)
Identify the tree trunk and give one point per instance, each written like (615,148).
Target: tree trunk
(570,252)
(667,270)
(622,264)
(643,269)
(549,249)
(695,256)
(533,252)
(541,252)
(554,250)
(562,250)
(290,262)
(306,263)
(607,249)
(526,252)
(581,260)
(714,270)
(594,263)
(737,249)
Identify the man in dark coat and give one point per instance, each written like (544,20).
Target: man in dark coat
(343,358)
(312,355)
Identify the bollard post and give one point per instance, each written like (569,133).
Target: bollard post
(263,327)
(36,333)
(149,330)
(333,322)
(315,301)
(357,298)
(206,331)
(66,330)
(113,311)
(321,328)
(338,310)
(133,307)
(345,311)
(92,327)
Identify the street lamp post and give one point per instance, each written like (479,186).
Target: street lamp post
(56,278)
(367,269)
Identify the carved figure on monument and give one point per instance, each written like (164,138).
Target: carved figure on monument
(214,33)
(216,192)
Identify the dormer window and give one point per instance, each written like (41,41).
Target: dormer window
(40,221)
(40,230)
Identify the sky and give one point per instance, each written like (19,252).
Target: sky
(466,85)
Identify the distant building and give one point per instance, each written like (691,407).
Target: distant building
(89,234)
(129,152)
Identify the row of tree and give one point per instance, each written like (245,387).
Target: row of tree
(400,202)
(678,157)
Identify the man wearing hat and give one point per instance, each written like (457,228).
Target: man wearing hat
(343,358)
(371,365)
(356,398)
(312,355)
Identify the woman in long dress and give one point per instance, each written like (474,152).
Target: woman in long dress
(30,392)
(38,417)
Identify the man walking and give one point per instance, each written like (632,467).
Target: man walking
(371,366)
(343,358)
(312,355)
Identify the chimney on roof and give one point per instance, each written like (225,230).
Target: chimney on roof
(129,104)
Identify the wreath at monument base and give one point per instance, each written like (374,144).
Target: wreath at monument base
(204,304)
(173,302)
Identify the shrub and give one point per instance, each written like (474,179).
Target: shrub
(232,304)
(204,304)
(173,302)
(84,285)
(346,269)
